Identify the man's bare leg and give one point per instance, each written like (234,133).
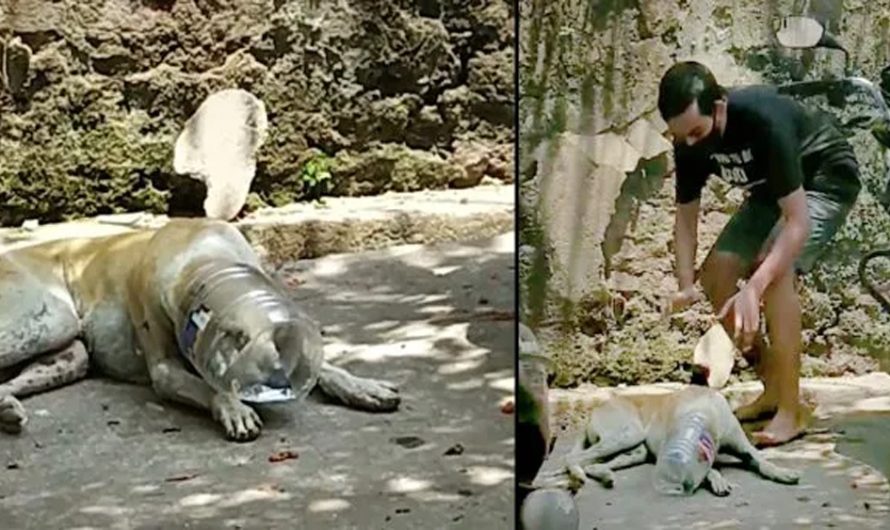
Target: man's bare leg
(782,360)
(720,274)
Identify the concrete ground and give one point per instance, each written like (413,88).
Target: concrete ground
(437,320)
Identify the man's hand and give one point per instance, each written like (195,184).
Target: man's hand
(682,299)
(745,306)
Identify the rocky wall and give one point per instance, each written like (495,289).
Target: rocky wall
(596,195)
(363,96)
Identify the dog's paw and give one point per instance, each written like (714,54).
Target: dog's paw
(12,415)
(718,484)
(372,395)
(785,475)
(577,477)
(601,473)
(241,422)
(377,395)
(361,393)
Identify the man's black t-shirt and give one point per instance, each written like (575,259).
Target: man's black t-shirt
(771,145)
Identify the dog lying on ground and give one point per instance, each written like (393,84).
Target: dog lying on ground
(630,430)
(112,303)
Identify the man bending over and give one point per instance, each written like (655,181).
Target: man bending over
(802,180)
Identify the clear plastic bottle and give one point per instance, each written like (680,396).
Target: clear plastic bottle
(549,509)
(241,332)
(685,457)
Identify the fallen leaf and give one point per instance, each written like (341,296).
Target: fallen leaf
(456,449)
(281,456)
(507,407)
(181,478)
(408,442)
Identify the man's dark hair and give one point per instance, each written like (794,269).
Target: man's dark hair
(684,83)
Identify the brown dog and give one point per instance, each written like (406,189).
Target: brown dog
(114,302)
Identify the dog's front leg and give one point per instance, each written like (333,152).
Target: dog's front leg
(737,445)
(171,380)
(717,483)
(358,392)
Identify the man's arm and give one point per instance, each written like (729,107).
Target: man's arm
(788,244)
(685,243)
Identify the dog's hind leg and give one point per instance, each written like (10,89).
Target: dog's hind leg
(616,428)
(636,456)
(358,392)
(603,472)
(49,371)
(587,437)
(612,429)
(37,316)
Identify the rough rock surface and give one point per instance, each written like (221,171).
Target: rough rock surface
(362,96)
(596,251)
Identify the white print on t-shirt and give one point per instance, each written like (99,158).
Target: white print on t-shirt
(734,175)
(742,157)
(732,169)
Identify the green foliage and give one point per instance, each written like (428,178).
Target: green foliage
(315,177)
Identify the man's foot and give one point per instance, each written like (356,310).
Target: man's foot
(784,427)
(763,406)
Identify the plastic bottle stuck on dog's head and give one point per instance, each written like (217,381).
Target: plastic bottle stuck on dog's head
(242,334)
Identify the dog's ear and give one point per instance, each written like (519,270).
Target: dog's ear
(700,374)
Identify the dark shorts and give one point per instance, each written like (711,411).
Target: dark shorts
(757,223)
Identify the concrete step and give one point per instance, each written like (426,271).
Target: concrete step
(829,396)
(336,225)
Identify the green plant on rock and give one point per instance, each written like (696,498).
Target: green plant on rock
(315,177)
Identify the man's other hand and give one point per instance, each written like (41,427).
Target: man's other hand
(745,307)
(682,299)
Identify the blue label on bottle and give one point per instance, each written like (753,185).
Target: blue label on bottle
(706,448)
(195,322)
